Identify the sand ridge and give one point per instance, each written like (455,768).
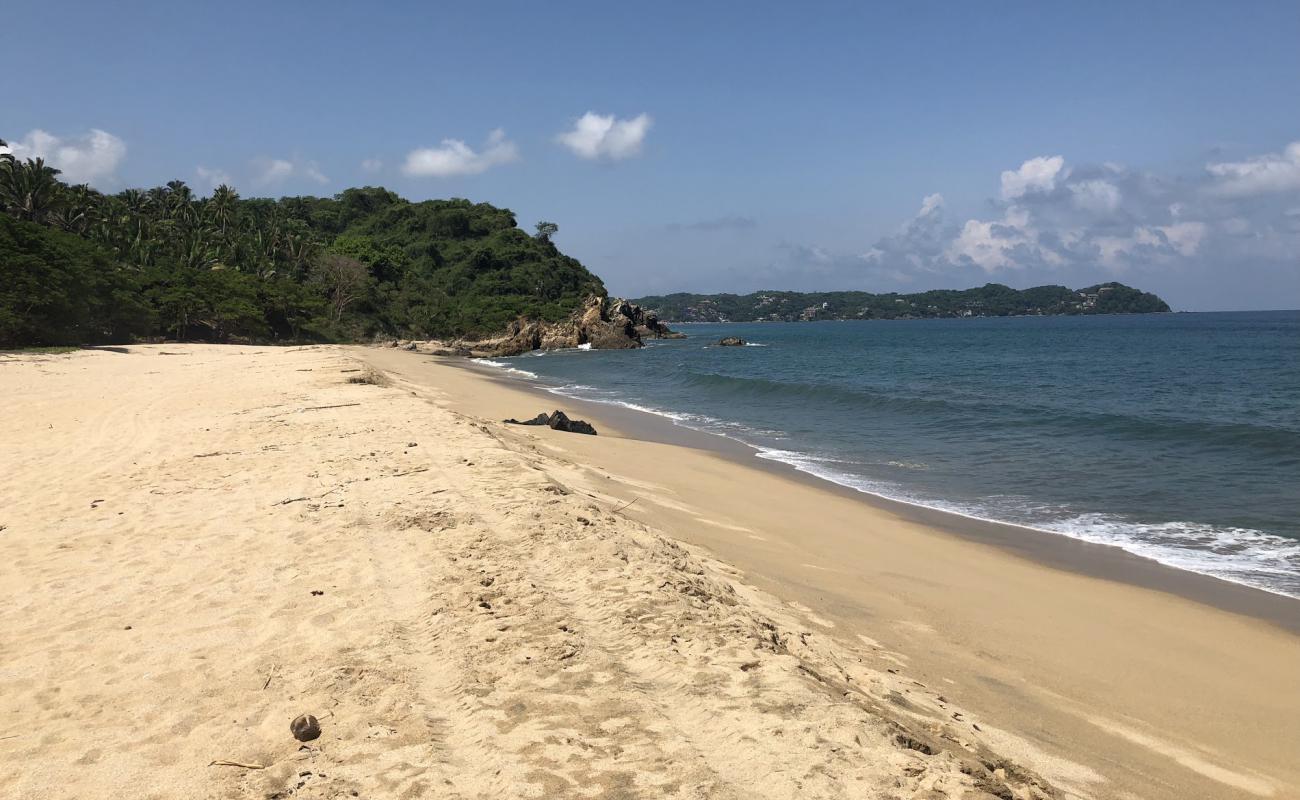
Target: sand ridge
(202,545)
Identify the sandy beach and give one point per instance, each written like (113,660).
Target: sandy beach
(203,542)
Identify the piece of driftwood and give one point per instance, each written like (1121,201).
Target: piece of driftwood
(223,763)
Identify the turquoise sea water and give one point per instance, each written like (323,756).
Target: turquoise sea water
(1173,436)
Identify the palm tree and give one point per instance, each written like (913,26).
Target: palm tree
(77,211)
(180,203)
(222,207)
(29,190)
(197,251)
(137,202)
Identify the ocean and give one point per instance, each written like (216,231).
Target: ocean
(1173,436)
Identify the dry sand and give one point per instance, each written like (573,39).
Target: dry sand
(200,543)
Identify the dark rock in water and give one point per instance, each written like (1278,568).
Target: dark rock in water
(305,728)
(732,341)
(557,421)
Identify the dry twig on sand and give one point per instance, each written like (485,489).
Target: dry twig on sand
(409,472)
(312,408)
(221,763)
(625,505)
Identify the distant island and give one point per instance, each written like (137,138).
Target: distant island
(990,300)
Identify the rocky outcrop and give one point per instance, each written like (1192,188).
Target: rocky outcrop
(732,341)
(602,323)
(646,323)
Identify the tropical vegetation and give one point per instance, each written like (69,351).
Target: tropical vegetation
(78,266)
(990,300)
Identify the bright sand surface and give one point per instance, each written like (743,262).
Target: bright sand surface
(200,543)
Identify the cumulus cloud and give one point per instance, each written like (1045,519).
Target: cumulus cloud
(454,157)
(90,158)
(1035,175)
(1274,172)
(598,136)
(1007,243)
(1053,218)
(919,243)
(371,165)
(275,171)
(931,204)
(212,178)
(1230,233)
(1095,195)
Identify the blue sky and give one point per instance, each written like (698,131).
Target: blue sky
(733,147)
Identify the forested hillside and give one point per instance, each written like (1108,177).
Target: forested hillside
(990,300)
(80,267)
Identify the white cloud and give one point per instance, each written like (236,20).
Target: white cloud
(1063,217)
(90,158)
(454,157)
(1184,237)
(1273,172)
(1180,234)
(311,171)
(1150,243)
(1001,244)
(371,165)
(275,171)
(1035,175)
(919,243)
(213,178)
(1095,195)
(596,136)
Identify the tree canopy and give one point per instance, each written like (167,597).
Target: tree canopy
(990,300)
(80,266)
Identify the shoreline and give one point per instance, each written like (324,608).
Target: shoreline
(203,547)
(1043,546)
(1110,685)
